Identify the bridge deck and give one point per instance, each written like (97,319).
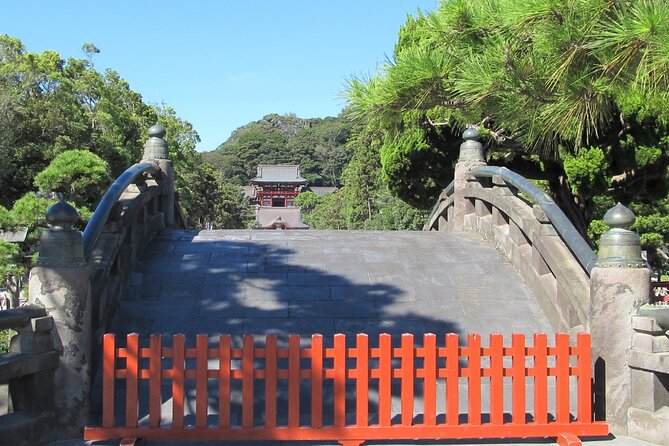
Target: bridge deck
(305,282)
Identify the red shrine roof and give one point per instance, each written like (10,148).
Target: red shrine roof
(278,173)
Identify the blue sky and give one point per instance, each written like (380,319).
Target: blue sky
(221,64)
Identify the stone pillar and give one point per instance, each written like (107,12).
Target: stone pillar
(61,283)
(619,285)
(471,155)
(156,151)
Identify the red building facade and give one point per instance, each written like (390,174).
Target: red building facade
(277,185)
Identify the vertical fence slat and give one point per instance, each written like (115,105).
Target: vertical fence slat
(155,378)
(430,380)
(452,379)
(385,379)
(584,378)
(293,381)
(474,381)
(339,380)
(132,367)
(540,378)
(201,366)
(362,384)
(178,379)
(407,391)
(317,381)
(562,380)
(518,380)
(247,381)
(108,379)
(224,379)
(270,380)
(496,379)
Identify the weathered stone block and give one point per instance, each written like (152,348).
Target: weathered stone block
(539,214)
(649,426)
(42,324)
(646,325)
(649,343)
(650,390)
(539,263)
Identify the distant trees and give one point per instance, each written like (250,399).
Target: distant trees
(317,145)
(67,128)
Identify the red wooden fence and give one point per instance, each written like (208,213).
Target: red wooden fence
(139,380)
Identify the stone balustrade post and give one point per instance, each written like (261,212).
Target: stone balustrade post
(61,283)
(471,155)
(157,151)
(619,285)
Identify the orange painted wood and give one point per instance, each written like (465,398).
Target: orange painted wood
(474,375)
(540,378)
(452,379)
(224,380)
(155,378)
(293,381)
(568,439)
(496,379)
(132,370)
(108,379)
(317,381)
(270,380)
(430,379)
(404,359)
(362,380)
(201,365)
(355,433)
(247,381)
(339,380)
(351,442)
(562,377)
(518,380)
(407,390)
(584,373)
(178,379)
(385,379)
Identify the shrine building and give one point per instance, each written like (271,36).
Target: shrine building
(273,191)
(277,185)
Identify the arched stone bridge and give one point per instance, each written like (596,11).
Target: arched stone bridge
(498,257)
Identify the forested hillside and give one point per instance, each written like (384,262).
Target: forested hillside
(317,145)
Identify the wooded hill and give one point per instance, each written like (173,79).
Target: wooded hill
(317,145)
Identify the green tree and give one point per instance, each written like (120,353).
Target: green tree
(567,92)
(317,145)
(80,175)
(49,105)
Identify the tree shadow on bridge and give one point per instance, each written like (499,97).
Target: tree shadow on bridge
(188,283)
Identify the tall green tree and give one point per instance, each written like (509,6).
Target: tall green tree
(563,91)
(82,177)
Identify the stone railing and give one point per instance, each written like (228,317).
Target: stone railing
(648,416)
(28,416)
(526,226)
(79,279)
(577,290)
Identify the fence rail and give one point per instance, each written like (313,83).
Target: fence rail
(338,381)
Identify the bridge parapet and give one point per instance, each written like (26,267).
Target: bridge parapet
(526,226)
(28,417)
(79,278)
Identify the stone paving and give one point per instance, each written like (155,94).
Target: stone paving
(305,282)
